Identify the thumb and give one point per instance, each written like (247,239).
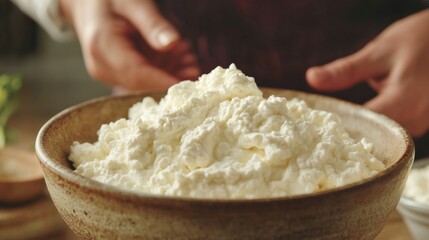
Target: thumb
(346,72)
(158,32)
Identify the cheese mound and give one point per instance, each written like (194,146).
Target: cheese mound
(219,138)
(417,186)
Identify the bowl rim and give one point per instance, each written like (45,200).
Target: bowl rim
(116,192)
(407,202)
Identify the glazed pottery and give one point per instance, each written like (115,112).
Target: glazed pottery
(98,211)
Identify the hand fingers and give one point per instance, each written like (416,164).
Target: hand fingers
(386,102)
(188,73)
(377,84)
(181,49)
(172,60)
(186,63)
(404,106)
(180,61)
(348,71)
(122,65)
(145,16)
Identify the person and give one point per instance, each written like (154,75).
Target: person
(370,52)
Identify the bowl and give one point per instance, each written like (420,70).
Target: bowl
(415,214)
(95,210)
(21,178)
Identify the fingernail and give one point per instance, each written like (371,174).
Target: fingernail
(167,37)
(320,74)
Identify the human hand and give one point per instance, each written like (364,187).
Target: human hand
(396,65)
(129,43)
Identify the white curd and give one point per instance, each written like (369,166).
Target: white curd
(417,186)
(219,138)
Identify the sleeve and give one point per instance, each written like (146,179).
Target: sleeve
(47,14)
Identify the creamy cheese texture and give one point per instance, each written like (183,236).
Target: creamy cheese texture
(219,138)
(417,186)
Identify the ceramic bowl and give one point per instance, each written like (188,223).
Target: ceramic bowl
(98,211)
(415,214)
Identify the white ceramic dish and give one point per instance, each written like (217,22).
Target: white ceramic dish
(415,214)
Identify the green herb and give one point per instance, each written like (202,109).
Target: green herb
(9,87)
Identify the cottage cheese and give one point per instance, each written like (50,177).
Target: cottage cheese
(219,138)
(417,186)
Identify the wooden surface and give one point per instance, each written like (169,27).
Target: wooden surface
(395,229)
(34,219)
(25,126)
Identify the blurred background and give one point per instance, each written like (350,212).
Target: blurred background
(53,73)
(53,78)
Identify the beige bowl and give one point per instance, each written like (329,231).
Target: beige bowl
(98,211)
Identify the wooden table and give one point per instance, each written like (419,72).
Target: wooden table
(27,125)
(395,229)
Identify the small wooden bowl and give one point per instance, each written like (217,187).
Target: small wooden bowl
(98,211)
(21,178)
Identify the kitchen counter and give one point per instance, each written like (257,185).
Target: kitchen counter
(26,123)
